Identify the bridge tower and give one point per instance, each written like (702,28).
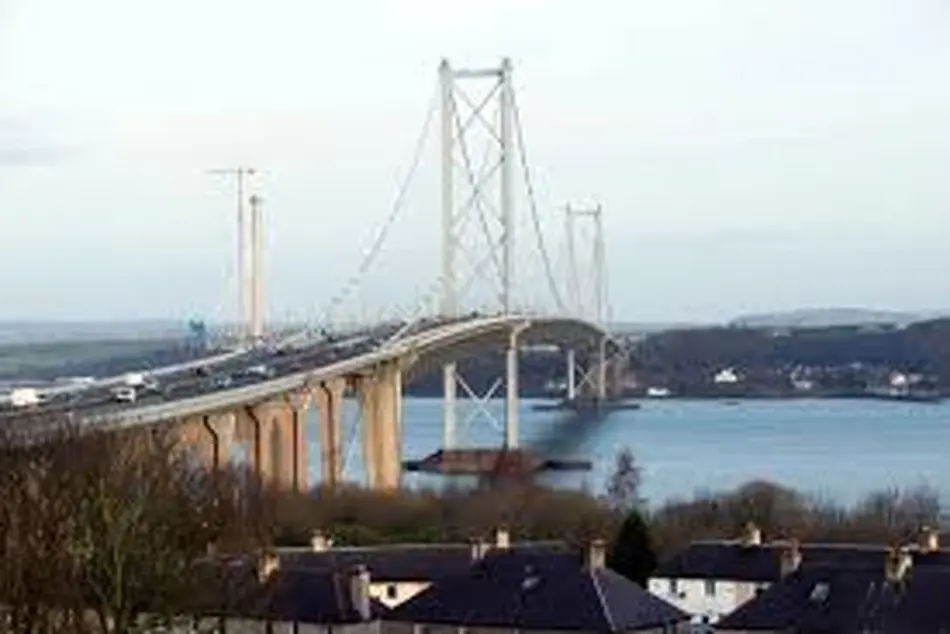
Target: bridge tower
(495,214)
(249,255)
(255,318)
(599,313)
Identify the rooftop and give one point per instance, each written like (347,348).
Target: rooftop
(831,599)
(243,587)
(405,562)
(750,559)
(541,591)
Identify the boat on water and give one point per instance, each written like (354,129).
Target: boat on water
(911,396)
(586,405)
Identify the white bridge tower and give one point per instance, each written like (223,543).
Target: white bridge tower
(493,211)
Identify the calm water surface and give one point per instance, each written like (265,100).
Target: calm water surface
(836,448)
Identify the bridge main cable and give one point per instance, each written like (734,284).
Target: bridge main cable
(535,217)
(383,233)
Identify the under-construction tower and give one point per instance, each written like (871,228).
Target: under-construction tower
(250,253)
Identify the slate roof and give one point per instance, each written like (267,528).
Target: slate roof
(233,588)
(827,599)
(307,597)
(538,591)
(402,562)
(762,563)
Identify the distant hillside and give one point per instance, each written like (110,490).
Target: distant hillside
(645,328)
(829,317)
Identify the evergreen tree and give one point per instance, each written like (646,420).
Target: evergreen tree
(631,554)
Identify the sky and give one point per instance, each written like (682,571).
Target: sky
(750,156)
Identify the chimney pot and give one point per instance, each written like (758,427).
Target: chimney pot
(929,540)
(319,542)
(480,548)
(502,538)
(751,535)
(897,563)
(359,592)
(595,557)
(791,558)
(267,565)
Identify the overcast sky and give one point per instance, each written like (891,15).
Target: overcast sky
(750,155)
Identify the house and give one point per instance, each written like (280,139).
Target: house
(713,578)
(400,572)
(511,591)
(896,596)
(261,597)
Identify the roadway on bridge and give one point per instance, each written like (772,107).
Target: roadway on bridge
(294,368)
(450,341)
(191,380)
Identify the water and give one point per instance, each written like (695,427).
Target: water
(836,448)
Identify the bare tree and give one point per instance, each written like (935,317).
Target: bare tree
(141,519)
(623,487)
(108,525)
(35,526)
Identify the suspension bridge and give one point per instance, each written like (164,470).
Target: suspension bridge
(485,296)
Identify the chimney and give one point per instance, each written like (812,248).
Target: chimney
(791,558)
(480,548)
(267,565)
(595,556)
(751,535)
(897,564)
(929,540)
(502,538)
(359,592)
(319,542)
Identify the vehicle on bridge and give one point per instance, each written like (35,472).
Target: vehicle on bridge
(260,370)
(25,397)
(134,379)
(124,394)
(222,381)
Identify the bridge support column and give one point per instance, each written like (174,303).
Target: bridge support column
(601,385)
(571,374)
(328,398)
(196,439)
(296,435)
(449,410)
(221,428)
(250,435)
(511,391)
(268,431)
(381,404)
